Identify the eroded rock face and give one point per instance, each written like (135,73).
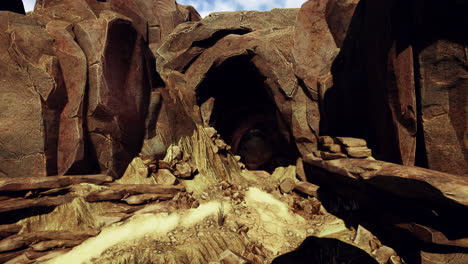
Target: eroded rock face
(391,81)
(32,97)
(78,77)
(201,59)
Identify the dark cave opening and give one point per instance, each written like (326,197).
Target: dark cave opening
(245,114)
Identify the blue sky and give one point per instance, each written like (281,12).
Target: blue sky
(205,7)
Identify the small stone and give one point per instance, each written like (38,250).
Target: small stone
(184,169)
(312,158)
(352,142)
(211,132)
(394,260)
(375,244)
(225,185)
(335,148)
(310,231)
(165,177)
(326,140)
(173,153)
(309,209)
(287,185)
(237,157)
(359,152)
(229,257)
(220,144)
(164,164)
(332,156)
(195,204)
(261,173)
(383,254)
(363,238)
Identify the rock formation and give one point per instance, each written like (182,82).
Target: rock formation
(399,81)
(85,92)
(244,137)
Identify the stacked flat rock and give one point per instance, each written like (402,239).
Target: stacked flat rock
(342,147)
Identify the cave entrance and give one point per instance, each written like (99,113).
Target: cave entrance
(245,114)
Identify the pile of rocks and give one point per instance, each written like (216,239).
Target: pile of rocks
(21,198)
(219,146)
(218,142)
(174,165)
(342,147)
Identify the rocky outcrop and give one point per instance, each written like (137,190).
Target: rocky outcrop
(32,98)
(223,123)
(81,94)
(416,211)
(391,81)
(200,59)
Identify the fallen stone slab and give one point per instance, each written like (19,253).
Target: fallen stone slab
(7,256)
(9,230)
(121,191)
(331,156)
(111,218)
(351,142)
(307,188)
(34,183)
(21,259)
(22,203)
(52,254)
(147,197)
(389,177)
(335,148)
(53,244)
(358,152)
(16,242)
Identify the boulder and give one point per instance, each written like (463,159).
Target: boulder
(36,183)
(165,177)
(287,185)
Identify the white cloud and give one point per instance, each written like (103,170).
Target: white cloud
(205,7)
(29,5)
(294,3)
